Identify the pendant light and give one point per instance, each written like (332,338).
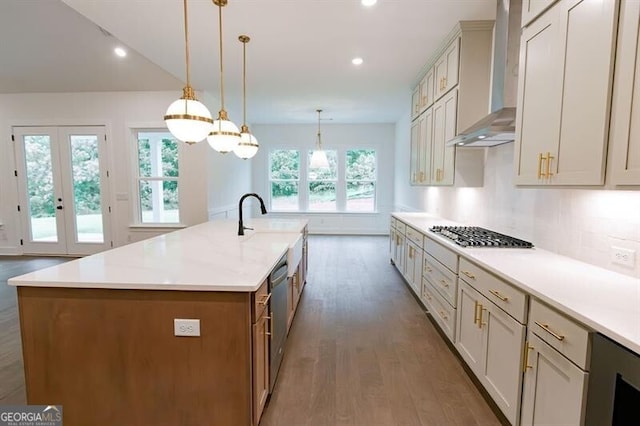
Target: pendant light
(224,135)
(248,145)
(319,157)
(187,119)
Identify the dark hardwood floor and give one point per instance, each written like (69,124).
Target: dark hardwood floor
(361,350)
(11,368)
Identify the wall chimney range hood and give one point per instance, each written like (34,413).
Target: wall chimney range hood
(500,125)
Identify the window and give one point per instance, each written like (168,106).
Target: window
(284,175)
(360,180)
(348,185)
(157,177)
(322,184)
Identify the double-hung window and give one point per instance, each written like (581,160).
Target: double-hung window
(360,178)
(322,183)
(157,177)
(284,177)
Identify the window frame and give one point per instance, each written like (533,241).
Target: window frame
(137,179)
(298,180)
(374,181)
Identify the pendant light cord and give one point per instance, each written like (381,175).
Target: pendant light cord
(319,140)
(244,79)
(221,60)
(186,42)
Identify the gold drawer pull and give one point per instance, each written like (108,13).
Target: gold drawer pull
(469,274)
(525,364)
(549,158)
(499,296)
(480,323)
(264,301)
(546,328)
(444,283)
(540,175)
(443,315)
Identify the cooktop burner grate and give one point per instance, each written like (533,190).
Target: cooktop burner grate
(474,236)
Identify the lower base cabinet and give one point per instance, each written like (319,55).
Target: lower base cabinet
(261,338)
(491,342)
(554,388)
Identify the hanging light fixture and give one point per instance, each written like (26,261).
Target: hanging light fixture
(187,119)
(319,157)
(224,135)
(248,145)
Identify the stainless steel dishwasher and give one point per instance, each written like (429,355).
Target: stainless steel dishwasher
(278,288)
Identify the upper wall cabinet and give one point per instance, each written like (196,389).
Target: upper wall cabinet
(564,94)
(624,167)
(454,94)
(415,103)
(532,8)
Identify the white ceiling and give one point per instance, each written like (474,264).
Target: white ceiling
(298,60)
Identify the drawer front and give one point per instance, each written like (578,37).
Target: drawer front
(260,301)
(392,224)
(401,227)
(565,335)
(442,254)
(507,297)
(415,236)
(439,309)
(441,278)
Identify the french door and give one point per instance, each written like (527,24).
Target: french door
(63,191)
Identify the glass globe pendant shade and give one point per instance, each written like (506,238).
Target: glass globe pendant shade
(188,119)
(319,160)
(224,135)
(248,145)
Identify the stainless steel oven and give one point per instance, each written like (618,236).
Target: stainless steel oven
(614,385)
(278,288)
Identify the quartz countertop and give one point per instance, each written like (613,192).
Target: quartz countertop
(206,257)
(605,301)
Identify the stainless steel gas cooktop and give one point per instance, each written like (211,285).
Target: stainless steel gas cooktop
(474,236)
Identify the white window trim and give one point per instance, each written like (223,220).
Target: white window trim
(137,222)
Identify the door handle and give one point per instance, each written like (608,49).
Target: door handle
(59,207)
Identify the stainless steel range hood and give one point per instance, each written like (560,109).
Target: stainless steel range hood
(500,125)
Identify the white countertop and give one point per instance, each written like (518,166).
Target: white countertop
(605,301)
(206,257)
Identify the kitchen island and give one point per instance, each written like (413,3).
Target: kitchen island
(98,333)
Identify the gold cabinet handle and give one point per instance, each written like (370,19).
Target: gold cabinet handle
(443,315)
(480,323)
(267,317)
(549,158)
(540,158)
(410,252)
(499,296)
(264,301)
(546,328)
(421,176)
(444,82)
(444,283)
(428,268)
(525,363)
(475,311)
(469,274)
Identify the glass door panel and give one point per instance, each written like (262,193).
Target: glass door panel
(41,201)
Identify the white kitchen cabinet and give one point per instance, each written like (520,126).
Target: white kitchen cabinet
(624,167)
(446,69)
(414,152)
(463,65)
(444,129)
(564,93)
(554,388)
(421,146)
(415,103)
(532,8)
(491,342)
(397,249)
(413,266)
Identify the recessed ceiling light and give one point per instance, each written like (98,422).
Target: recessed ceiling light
(120,52)
(368,2)
(481,137)
(357,61)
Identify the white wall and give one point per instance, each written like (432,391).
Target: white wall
(380,137)
(579,223)
(202,171)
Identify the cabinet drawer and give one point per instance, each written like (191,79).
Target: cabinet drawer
(441,278)
(260,301)
(401,227)
(508,298)
(392,223)
(439,309)
(442,254)
(415,236)
(565,335)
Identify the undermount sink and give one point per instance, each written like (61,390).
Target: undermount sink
(293,241)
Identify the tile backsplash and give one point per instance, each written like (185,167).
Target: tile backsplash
(580,223)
